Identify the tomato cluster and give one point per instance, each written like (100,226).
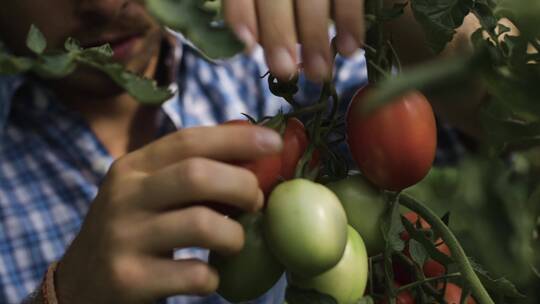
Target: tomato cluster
(322,235)
(303,231)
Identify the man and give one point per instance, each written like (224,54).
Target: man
(104,185)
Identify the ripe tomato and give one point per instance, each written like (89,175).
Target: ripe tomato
(295,143)
(365,207)
(305,227)
(452,295)
(250,273)
(433,268)
(394,146)
(267,169)
(346,281)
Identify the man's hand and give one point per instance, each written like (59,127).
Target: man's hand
(147,206)
(278,25)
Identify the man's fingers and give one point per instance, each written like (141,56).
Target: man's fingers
(241,16)
(201,227)
(181,277)
(201,180)
(225,143)
(349,18)
(277,33)
(313,17)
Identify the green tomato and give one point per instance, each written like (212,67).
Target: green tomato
(345,282)
(305,226)
(250,273)
(365,207)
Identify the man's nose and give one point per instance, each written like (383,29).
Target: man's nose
(98,11)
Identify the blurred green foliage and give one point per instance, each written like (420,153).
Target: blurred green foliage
(494,212)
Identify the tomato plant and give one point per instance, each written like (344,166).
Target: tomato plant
(305,226)
(394,146)
(250,273)
(347,280)
(365,207)
(431,268)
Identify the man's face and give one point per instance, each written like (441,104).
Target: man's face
(125,24)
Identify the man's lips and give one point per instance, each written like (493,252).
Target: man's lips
(121,45)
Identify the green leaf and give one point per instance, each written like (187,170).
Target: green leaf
(397,10)
(515,88)
(440,19)
(11,65)
(503,29)
(72,45)
(506,132)
(144,90)
(55,66)
(199,24)
(295,295)
(99,53)
(393,227)
(501,286)
(35,40)
(432,77)
(523,13)
(418,253)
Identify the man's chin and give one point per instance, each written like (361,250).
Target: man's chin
(87,83)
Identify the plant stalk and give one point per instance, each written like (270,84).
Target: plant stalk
(457,252)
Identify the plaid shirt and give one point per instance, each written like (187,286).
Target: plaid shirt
(51,163)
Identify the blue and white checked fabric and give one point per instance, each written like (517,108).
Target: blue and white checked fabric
(51,163)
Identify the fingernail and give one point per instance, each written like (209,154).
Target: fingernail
(269,140)
(245,35)
(347,45)
(318,67)
(282,63)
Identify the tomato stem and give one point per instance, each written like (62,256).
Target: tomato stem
(457,252)
(315,108)
(428,280)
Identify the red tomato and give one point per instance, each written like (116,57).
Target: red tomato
(394,146)
(404,297)
(452,295)
(431,267)
(295,143)
(267,169)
